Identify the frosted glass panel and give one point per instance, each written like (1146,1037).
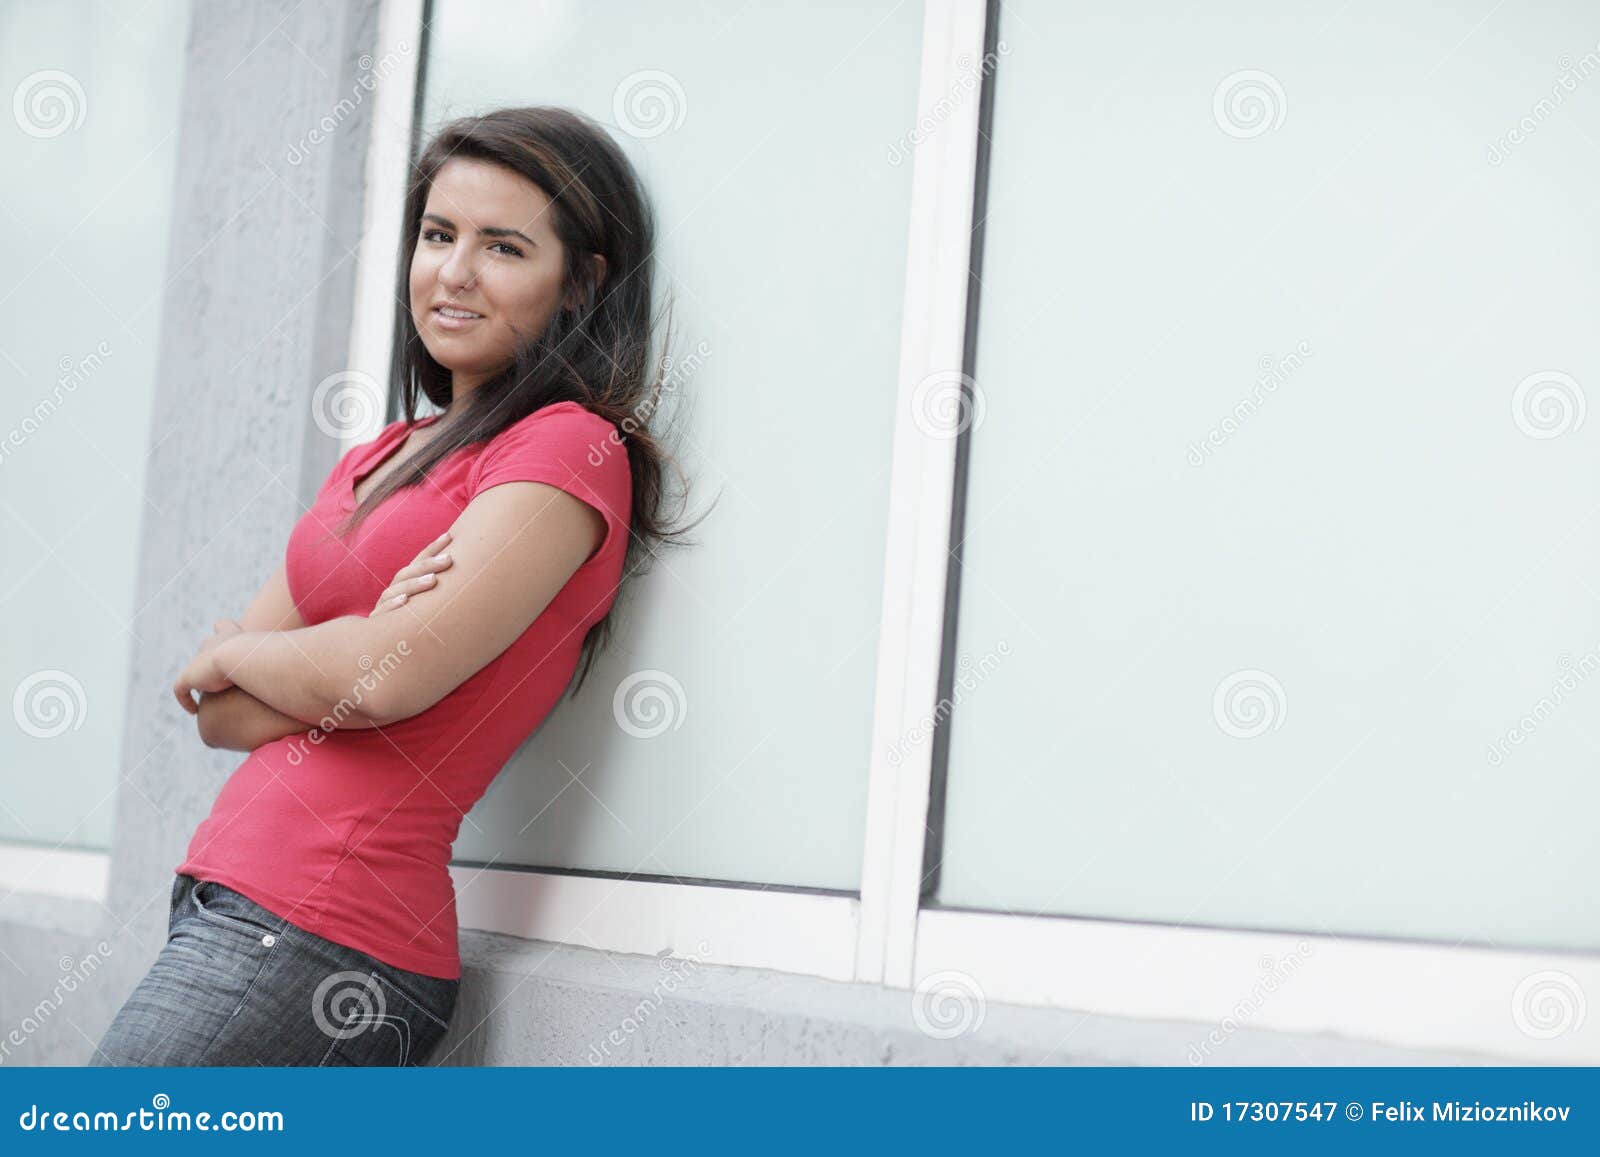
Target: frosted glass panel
(1283,500)
(88,145)
(762,133)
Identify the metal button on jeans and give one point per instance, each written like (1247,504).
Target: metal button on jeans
(269,940)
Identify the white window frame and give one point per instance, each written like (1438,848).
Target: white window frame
(62,873)
(1402,993)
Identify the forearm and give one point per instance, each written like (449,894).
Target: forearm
(318,675)
(237,721)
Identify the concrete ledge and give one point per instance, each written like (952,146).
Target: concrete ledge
(530,1003)
(527,1002)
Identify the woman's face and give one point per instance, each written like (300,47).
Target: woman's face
(485,247)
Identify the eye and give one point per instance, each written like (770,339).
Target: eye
(506,245)
(430,234)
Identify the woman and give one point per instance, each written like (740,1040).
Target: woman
(313,916)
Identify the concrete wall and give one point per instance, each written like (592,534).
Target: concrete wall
(257,312)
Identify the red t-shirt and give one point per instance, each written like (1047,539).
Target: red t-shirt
(347,833)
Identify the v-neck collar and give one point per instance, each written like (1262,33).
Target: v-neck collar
(347,499)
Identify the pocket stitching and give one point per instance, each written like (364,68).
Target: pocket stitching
(411,1000)
(401,1026)
(226,921)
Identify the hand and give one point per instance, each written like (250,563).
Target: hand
(415,577)
(202,674)
(220,630)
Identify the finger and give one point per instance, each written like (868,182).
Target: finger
(410,586)
(397,595)
(183,697)
(436,544)
(432,548)
(426,566)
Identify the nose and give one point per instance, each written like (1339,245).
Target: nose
(458,272)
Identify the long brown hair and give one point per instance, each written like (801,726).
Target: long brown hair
(600,355)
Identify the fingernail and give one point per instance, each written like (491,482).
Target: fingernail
(443,556)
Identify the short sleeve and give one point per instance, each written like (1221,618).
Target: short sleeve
(573,449)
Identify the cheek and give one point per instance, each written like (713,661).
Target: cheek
(424,272)
(528,301)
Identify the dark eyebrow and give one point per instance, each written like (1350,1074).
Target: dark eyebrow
(487,230)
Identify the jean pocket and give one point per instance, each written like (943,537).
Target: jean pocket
(374,1022)
(222,906)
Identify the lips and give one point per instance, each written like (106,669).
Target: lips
(454,317)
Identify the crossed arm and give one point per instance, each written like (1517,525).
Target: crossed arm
(511,551)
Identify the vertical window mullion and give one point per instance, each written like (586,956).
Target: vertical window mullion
(922,481)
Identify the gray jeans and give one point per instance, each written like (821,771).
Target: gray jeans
(238,985)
